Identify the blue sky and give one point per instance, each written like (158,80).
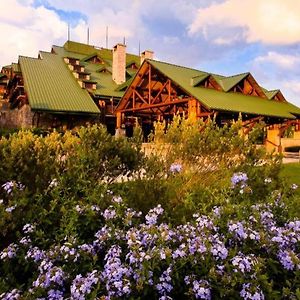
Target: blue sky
(220,36)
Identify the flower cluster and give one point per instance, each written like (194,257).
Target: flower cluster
(9,186)
(164,287)
(151,217)
(12,295)
(243,263)
(239,178)
(250,292)
(115,274)
(200,288)
(82,285)
(9,252)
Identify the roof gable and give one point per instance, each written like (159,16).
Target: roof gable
(93,58)
(275,95)
(228,83)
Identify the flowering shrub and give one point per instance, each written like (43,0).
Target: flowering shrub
(131,255)
(87,216)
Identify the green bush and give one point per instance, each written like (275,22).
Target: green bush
(215,217)
(208,156)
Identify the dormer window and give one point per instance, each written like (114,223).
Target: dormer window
(206,81)
(93,59)
(71,60)
(96,60)
(132,66)
(89,84)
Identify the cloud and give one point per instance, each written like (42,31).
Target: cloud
(279,70)
(283,61)
(267,21)
(25,30)
(159,26)
(293,86)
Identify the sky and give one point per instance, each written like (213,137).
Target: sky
(219,36)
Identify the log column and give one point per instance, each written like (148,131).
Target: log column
(193,109)
(120,118)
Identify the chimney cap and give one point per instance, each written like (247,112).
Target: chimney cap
(147,51)
(119,45)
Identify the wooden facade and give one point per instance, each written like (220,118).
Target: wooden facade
(153,96)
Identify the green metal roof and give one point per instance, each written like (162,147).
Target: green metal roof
(91,56)
(16,68)
(105,85)
(198,79)
(51,86)
(104,53)
(238,102)
(222,100)
(229,82)
(271,94)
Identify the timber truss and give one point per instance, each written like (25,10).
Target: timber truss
(152,94)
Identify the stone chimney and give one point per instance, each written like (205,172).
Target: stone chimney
(119,64)
(147,54)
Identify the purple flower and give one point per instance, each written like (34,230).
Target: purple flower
(10,209)
(82,286)
(180,252)
(109,213)
(36,254)
(217,211)
(239,178)
(201,289)
(251,292)
(25,240)
(87,248)
(55,295)
(195,244)
(28,228)
(287,259)
(8,187)
(243,263)
(116,274)
(12,295)
(238,230)
(175,168)
(68,252)
(219,250)
(49,275)
(9,252)
(165,283)
(116,199)
(151,217)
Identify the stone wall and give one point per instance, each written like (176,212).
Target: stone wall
(24,117)
(16,118)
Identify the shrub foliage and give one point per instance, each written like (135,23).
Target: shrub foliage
(84,215)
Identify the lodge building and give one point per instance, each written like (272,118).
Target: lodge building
(78,83)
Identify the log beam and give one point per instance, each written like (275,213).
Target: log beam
(145,107)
